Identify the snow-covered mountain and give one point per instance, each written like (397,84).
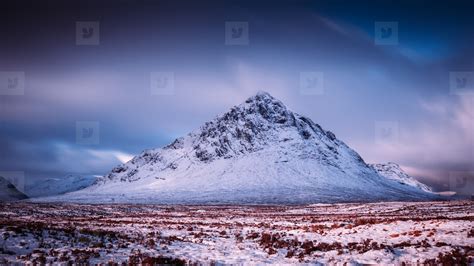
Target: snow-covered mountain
(258,152)
(393,171)
(56,186)
(8,192)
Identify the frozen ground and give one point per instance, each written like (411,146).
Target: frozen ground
(383,233)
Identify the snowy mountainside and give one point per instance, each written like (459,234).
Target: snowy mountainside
(393,171)
(56,186)
(258,152)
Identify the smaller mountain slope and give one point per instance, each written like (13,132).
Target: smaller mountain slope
(8,192)
(394,172)
(57,186)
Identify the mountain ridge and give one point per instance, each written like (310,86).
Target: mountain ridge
(57,186)
(207,147)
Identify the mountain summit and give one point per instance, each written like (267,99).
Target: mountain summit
(257,152)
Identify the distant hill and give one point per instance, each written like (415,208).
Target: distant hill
(57,186)
(8,192)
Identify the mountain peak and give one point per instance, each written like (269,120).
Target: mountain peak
(243,128)
(260,122)
(262,95)
(265,103)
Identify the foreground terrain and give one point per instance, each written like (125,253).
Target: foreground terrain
(384,233)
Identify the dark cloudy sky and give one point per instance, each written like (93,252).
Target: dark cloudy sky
(389,102)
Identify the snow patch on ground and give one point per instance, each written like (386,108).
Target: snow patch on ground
(375,233)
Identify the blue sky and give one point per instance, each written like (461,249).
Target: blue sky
(365,85)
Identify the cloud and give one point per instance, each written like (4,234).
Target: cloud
(441,143)
(105,155)
(110,84)
(58,159)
